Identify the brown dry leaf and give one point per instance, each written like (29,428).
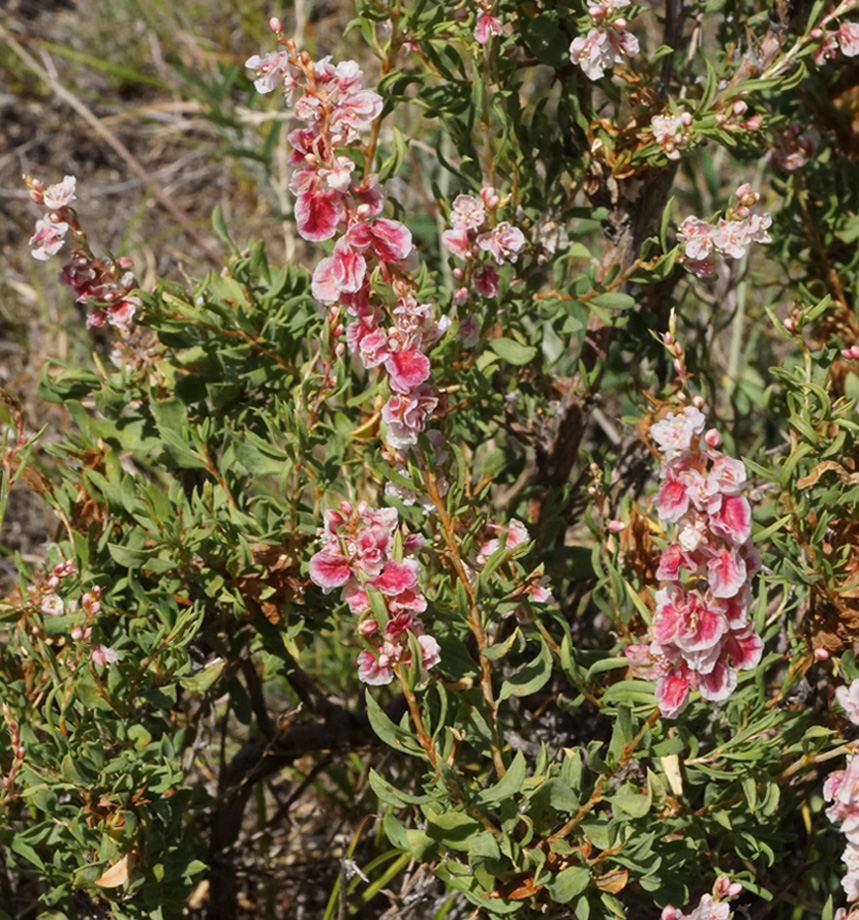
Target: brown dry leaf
(117,875)
(518,889)
(612,882)
(828,466)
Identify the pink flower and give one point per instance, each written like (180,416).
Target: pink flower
(485,281)
(61,195)
(407,369)
(848,39)
(726,573)
(406,416)
(672,694)
(684,619)
(675,432)
(104,656)
(329,570)
(591,53)
(457,242)
(318,214)
(486,27)
(505,242)
(731,517)
(48,238)
(272,68)
(376,670)
(849,699)
(468,213)
(396,578)
(697,235)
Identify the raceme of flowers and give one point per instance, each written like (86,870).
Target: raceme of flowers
(335,109)
(713,906)
(730,238)
(842,790)
(481,242)
(607,42)
(103,286)
(357,556)
(701,634)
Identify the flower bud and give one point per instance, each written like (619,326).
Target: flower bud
(754,123)
(790,324)
(712,438)
(616,526)
(698,402)
(821,654)
(275,25)
(53,582)
(340,350)
(368,627)
(686,119)
(816,34)
(20,753)
(739,108)
(678,367)
(620,23)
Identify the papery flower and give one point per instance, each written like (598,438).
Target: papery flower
(486,281)
(104,655)
(457,242)
(697,237)
(675,432)
(504,241)
(487,26)
(272,69)
(406,415)
(60,195)
(592,53)
(848,39)
(848,697)
(48,238)
(468,212)
(52,605)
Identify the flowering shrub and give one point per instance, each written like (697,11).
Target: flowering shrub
(516,512)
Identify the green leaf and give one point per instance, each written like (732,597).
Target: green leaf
(530,678)
(454,829)
(512,351)
(612,300)
(569,883)
(508,786)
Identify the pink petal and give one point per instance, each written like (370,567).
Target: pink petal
(407,369)
(329,570)
(317,214)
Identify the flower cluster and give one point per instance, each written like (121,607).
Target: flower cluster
(607,42)
(51,229)
(513,535)
(395,335)
(701,634)
(711,906)
(102,285)
(17,748)
(50,598)
(730,238)
(845,38)
(476,234)
(672,132)
(842,790)
(357,556)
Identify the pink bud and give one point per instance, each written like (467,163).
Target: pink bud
(754,123)
(77,633)
(53,581)
(847,353)
(686,119)
(616,526)
(340,350)
(712,438)
(698,402)
(678,367)
(790,324)
(458,274)
(678,350)
(368,627)
(821,654)
(740,108)
(620,23)
(20,753)
(124,262)
(7,782)
(721,119)
(816,33)
(854,351)
(668,338)
(597,12)
(275,25)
